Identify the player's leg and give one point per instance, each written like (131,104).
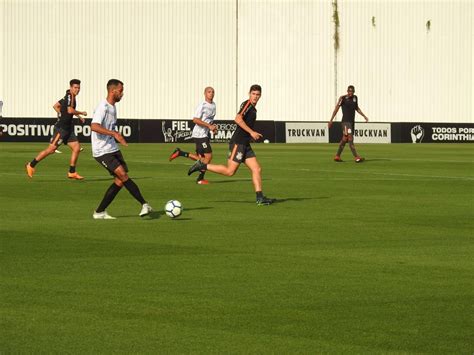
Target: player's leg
(342,143)
(204,150)
(233,162)
(180,153)
(254,166)
(121,172)
(73,143)
(357,158)
(55,142)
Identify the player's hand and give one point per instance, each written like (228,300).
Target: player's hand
(329,124)
(119,138)
(213,128)
(256,136)
(84,113)
(366,119)
(82,119)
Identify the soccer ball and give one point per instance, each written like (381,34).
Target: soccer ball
(173,208)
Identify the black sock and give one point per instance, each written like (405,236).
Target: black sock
(33,163)
(134,190)
(259,195)
(72,169)
(201,176)
(109,196)
(183,154)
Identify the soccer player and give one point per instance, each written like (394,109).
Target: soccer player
(106,151)
(240,150)
(204,122)
(349,104)
(64,131)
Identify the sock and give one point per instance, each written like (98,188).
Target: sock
(134,190)
(183,154)
(342,144)
(109,196)
(33,163)
(201,176)
(72,169)
(259,195)
(353,150)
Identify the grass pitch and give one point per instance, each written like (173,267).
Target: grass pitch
(366,258)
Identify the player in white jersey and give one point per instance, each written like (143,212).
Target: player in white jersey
(107,153)
(204,122)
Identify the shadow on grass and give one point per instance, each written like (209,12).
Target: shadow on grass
(158,214)
(277,200)
(86,180)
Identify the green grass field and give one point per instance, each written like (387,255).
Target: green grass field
(354,258)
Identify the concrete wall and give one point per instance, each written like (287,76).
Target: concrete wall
(166,52)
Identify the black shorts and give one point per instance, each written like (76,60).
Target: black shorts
(203,146)
(240,152)
(112,161)
(347,128)
(62,136)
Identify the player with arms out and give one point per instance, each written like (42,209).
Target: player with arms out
(106,151)
(64,131)
(240,150)
(204,123)
(349,104)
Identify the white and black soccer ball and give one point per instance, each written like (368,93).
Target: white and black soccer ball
(173,208)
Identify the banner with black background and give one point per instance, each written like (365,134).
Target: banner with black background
(180,131)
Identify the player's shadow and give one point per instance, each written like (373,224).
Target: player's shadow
(158,214)
(376,159)
(277,200)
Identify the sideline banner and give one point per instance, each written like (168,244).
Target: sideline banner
(180,131)
(306,132)
(434,133)
(41,129)
(364,132)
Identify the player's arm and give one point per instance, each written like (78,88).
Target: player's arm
(72,111)
(362,114)
(96,127)
(239,119)
(334,113)
(57,107)
(199,122)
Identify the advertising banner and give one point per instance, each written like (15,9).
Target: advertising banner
(435,133)
(41,129)
(372,133)
(306,132)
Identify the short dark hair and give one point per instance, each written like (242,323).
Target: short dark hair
(351,87)
(74,82)
(255,87)
(113,82)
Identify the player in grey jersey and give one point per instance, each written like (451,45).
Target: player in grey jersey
(204,122)
(106,151)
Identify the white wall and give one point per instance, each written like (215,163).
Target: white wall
(167,51)
(401,71)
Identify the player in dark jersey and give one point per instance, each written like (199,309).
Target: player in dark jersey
(240,150)
(64,131)
(349,104)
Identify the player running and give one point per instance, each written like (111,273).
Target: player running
(106,151)
(204,123)
(64,131)
(349,104)
(240,150)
